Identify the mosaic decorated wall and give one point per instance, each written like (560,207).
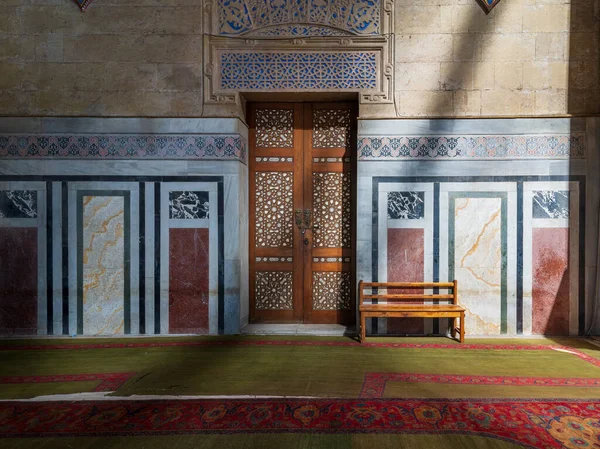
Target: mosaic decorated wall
(499,205)
(98,237)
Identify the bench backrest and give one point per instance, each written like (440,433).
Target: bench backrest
(453,286)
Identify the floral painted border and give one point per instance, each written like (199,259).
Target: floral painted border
(472,147)
(123,146)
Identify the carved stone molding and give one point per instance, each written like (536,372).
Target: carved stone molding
(279,54)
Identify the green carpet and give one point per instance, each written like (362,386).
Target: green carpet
(323,371)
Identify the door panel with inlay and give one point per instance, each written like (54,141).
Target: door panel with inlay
(301,209)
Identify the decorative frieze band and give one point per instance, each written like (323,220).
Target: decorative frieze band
(123,146)
(472,147)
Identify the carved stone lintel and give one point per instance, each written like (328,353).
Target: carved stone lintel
(220,94)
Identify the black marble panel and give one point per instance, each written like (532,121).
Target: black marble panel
(550,204)
(406,205)
(18,204)
(188,205)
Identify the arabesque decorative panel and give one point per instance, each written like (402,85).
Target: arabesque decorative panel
(274,209)
(331,290)
(331,128)
(273,290)
(275,128)
(332,213)
(350,17)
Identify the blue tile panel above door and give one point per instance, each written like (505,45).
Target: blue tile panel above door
(298,70)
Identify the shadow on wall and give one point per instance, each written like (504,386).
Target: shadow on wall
(583,97)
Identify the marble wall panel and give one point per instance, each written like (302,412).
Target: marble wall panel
(550,293)
(406,262)
(188,281)
(18,281)
(477,262)
(103,265)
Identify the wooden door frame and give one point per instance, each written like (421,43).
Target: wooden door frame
(303,297)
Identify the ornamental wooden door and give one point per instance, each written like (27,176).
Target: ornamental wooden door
(301,212)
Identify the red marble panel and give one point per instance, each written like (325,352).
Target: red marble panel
(550,281)
(188,281)
(18,281)
(406,261)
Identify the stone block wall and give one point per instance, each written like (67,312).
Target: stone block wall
(526,57)
(140,58)
(144,58)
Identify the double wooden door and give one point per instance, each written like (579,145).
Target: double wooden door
(301,212)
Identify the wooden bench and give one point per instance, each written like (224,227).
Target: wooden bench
(396,305)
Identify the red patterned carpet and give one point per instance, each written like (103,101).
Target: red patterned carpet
(532,423)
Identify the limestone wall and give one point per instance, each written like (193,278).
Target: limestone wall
(143,58)
(527,57)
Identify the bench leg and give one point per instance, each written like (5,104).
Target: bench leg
(453,327)
(462,327)
(363,328)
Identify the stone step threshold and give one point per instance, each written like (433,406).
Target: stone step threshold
(327,330)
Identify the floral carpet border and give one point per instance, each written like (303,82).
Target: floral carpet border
(530,422)
(374,383)
(579,354)
(110,381)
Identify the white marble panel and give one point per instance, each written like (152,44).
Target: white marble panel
(511,287)
(432,127)
(29,167)
(477,262)
(103,265)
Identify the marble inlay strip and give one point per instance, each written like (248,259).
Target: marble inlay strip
(472,147)
(123,146)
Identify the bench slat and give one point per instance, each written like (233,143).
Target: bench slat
(409,284)
(402,296)
(433,308)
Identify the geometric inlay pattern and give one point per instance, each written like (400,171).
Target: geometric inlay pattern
(273,290)
(551,204)
(331,290)
(473,147)
(188,205)
(331,203)
(274,209)
(123,146)
(406,205)
(275,128)
(351,16)
(331,128)
(18,204)
(298,70)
